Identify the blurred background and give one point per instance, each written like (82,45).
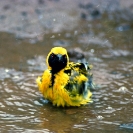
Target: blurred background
(96,31)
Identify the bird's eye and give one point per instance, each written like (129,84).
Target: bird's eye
(52,55)
(64,56)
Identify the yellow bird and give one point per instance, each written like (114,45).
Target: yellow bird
(65,83)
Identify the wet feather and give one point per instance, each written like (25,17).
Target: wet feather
(69,83)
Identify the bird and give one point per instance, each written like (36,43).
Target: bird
(65,83)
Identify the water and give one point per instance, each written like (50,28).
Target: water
(22,107)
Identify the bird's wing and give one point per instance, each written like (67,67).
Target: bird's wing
(80,79)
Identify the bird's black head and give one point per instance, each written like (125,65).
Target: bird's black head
(57,59)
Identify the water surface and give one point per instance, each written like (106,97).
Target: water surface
(22,107)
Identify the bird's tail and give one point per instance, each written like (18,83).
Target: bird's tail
(91,84)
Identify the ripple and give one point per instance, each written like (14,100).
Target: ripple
(99,117)
(79,126)
(23,106)
(37,63)
(19,91)
(87,39)
(110,123)
(37,103)
(122,89)
(35,131)
(128,126)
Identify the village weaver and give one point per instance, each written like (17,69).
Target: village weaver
(65,83)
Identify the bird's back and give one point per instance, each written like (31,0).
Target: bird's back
(80,79)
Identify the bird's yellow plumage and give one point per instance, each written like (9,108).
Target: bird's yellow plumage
(65,83)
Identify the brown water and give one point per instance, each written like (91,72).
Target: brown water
(22,108)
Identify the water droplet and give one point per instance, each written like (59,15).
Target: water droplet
(54,19)
(33,75)
(32,113)
(6,70)
(92,50)
(52,36)
(75,32)
(109,108)
(16,77)
(99,117)
(123,89)
(37,103)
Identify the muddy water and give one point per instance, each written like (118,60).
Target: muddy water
(22,108)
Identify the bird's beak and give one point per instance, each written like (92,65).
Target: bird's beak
(59,56)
